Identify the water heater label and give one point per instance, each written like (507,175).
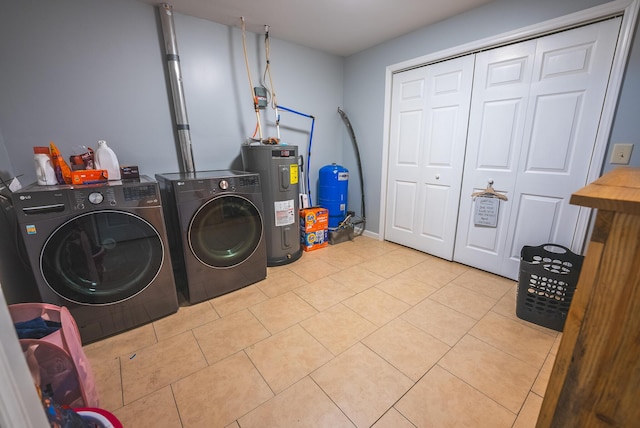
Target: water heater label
(285,212)
(293,173)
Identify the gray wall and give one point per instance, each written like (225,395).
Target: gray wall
(219,103)
(78,71)
(365,84)
(626,127)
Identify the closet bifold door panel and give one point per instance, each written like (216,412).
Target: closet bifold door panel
(426,152)
(534,141)
(496,129)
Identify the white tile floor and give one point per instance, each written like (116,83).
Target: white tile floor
(363,333)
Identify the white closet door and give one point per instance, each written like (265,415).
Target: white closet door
(548,153)
(428,131)
(496,128)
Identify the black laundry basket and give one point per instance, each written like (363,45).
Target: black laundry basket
(548,278)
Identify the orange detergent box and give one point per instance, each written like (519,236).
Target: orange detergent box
(314,228)
(314,219)
(84,176)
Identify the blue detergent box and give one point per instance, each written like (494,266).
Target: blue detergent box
(314,240)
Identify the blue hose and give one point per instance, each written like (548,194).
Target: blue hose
(313,122)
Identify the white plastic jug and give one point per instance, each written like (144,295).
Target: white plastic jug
(45,174)
(105,158)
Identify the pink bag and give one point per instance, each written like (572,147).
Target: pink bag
(61,361)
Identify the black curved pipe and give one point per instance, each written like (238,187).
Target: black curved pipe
(352,135)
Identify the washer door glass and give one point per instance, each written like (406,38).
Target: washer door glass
(225,231)
(102,257)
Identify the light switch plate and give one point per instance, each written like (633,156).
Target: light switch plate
(621,153)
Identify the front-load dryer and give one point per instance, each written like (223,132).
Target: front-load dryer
(100,250)
(216,230)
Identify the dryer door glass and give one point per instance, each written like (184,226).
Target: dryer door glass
(102,257)
(225,231)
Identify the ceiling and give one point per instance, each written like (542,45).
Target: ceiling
(340,27)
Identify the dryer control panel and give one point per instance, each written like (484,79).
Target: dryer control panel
(205,184)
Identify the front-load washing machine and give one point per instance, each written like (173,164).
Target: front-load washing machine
(216,231)
(100,250)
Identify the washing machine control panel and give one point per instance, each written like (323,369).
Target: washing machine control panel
(96,198)
(115,196)
(89,198)
(146,194)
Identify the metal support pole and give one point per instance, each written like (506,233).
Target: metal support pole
(177,91)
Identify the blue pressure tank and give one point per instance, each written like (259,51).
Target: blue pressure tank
(333,181)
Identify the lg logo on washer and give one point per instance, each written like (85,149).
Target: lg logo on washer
(25,197)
